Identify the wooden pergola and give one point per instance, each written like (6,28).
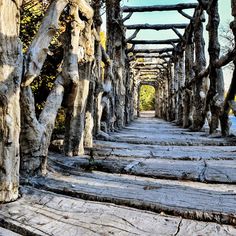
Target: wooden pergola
(98,87)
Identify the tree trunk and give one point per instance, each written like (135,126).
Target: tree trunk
(176,87)
(216,92)
(189,74)
(36,133)
(75,115)
(199,88)
(76,108)
(11,65)
(181,81)
(115,50)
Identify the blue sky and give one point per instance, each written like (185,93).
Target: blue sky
(172,17)
(167,17)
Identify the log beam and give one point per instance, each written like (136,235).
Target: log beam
(175,7)
(167,41)
(156,26)
(161,50)
(152,56)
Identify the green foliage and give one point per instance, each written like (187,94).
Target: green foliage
(31,16)
(147,98)
(103,39)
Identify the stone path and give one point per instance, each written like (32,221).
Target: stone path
(151,178)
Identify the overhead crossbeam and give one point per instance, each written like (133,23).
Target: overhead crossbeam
(161,50)
(152,56)
(155,27)
(166,41)
(175,7)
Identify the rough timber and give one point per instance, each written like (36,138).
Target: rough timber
(123,188)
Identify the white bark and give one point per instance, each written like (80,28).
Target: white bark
(11,64)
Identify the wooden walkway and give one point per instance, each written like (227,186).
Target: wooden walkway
(151,178)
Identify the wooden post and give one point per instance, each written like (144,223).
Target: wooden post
(11,64)
(176,86)
(75,115)
(199,88)
(93,101)
(172,93)
(116,51)
(189,75)
(181,83)
(215,96)
(36,132)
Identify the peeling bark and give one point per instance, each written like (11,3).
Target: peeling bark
(77,101)
(199,88)
(215,97)
(11,65)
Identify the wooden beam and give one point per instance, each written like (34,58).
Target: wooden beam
(147,63)
(133,36)
(185,14)
(178,33)
(225,59)
(161,50)
(148,67)
(156,26)
(167,41)
(152,56)
(127,17)
(175,7)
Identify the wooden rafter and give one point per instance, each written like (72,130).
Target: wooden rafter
(175,7)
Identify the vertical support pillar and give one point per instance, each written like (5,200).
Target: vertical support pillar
(199,90)
(189,75)
(215,96)
(10,79)
(172,92)
(116,51)
(176,87)
(181,83)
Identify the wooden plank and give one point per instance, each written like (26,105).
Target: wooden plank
(190,200)
(44,213)
(158,132)
(125,150)
(5,232)
(207,171)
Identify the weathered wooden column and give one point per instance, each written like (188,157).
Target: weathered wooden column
(172,92)
(92,125)
(181,83)
(36,132)
(75,114)
(199,88)
(116,51)
(169,90)
(138,100)
(215,96)
(135,95)
(176,86)
(189,75)
(157,100)
(229,100)
(11,64)
(133,105)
